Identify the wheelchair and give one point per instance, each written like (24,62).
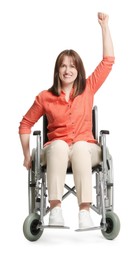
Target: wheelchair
(34,225)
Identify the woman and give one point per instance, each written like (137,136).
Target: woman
(68,107)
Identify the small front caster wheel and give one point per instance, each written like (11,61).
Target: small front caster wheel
(112,226)
(30,227)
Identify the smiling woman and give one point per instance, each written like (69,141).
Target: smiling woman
(68,106)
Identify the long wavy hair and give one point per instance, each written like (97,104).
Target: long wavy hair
(80,81)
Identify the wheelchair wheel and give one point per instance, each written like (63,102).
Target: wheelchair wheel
(30,229)
(113,226)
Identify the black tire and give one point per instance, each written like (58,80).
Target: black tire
(30,230)
(32,185)
(113,226)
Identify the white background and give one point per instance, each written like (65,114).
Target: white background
(32,34)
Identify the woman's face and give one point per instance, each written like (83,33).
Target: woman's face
(67,71)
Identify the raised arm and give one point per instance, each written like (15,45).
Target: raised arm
(108,49)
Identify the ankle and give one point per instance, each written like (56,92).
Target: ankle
(84,206)
(55,203)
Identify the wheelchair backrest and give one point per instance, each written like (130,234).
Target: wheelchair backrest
(94,125)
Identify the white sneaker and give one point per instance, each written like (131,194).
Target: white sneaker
(56,217)
(85,220)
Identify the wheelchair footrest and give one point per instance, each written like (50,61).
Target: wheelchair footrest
(87,229)
(55,226)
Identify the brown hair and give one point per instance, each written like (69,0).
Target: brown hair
(80,81)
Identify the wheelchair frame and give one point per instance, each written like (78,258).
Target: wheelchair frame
(37,191)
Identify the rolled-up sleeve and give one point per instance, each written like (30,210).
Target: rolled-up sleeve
(32,116)
(97,78)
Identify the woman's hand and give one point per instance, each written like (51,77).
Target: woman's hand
(103,19)
(27,163)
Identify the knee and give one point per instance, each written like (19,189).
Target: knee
(80,148)
(59,146)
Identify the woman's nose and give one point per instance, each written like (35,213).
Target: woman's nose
(67,69)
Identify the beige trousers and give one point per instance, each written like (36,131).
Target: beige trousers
(81,156)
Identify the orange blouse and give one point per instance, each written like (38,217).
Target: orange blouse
(69,121)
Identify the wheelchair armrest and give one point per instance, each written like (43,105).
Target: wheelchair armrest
(37,133)
(102,137)
(37,153)
(106,132)
(102,141)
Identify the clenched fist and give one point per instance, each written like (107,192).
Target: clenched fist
(103,19)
